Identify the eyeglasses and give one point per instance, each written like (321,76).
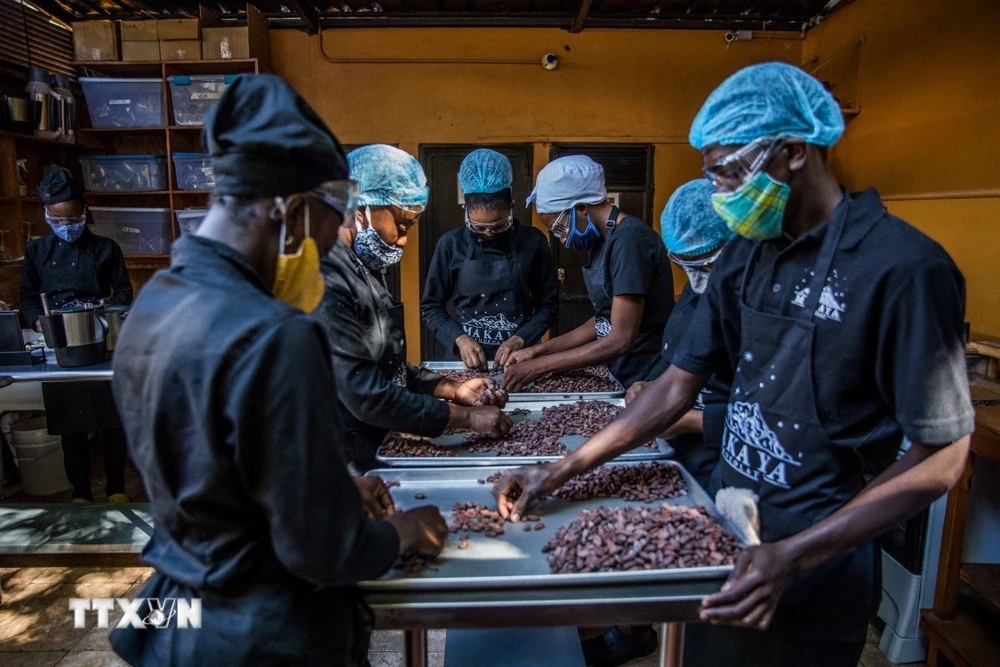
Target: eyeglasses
(67,220)
(702,263)
(496,227)
(734,169)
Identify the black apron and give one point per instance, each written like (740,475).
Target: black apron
(775,445)
(73,408)
(690,450)
(492,300)
(637,364)
(363,439)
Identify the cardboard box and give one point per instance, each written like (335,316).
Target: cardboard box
(177,29)
(141,51)
(180,49)
(138,31)
(95,40)
(226,43)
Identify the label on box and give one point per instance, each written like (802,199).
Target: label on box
(112,103)
(205,96)
(131,230)
(207,171)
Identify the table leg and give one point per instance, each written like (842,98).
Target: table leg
(672,645)
(415,648)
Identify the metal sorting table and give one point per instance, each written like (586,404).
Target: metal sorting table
(52,372)
(528,396)
(661,449)
(506,582)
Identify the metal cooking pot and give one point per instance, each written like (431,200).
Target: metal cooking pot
(15,114)
(113,318)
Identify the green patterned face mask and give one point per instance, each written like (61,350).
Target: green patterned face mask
(756,209)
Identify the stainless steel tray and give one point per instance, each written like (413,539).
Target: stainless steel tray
(524,395)
(464,457)
(515,559)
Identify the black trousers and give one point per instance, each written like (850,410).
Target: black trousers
(76,411)
(76,455)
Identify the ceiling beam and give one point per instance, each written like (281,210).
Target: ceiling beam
(307,13)
(581,16)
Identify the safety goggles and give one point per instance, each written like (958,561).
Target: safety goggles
(70,220)
(560,228)
(702,263)
(730,173)
(496,227)
(341,196)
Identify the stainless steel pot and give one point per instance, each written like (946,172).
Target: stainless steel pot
(114,319)
(15,114)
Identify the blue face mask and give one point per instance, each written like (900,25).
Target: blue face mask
(584,240)
(69,233)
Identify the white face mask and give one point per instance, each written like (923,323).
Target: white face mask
(698,279)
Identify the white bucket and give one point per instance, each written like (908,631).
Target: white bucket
(39,458)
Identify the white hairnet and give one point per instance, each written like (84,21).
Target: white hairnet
(567,182)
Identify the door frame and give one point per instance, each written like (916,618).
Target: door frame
(425,228)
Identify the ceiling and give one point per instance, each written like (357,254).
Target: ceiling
(574,15)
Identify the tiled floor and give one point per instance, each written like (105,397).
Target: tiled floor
(36,627)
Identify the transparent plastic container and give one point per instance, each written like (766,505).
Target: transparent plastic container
(193,171)
(124,173)
(188,219)
(124,102)
(139,231)
(193,96)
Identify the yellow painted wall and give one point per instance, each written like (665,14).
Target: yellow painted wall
(928,135)
(611,86)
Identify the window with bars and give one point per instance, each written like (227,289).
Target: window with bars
(30,38)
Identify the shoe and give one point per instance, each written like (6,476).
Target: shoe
(118,498)
(615,648)
(82,501)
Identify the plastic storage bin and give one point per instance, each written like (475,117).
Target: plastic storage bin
(139,231)
(188,219)
(193,96)
(124,102)
(124,173)
(193,171)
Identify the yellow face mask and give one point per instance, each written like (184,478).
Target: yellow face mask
(297,278)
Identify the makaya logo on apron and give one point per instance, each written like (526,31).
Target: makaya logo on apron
(752,449)
(490,329)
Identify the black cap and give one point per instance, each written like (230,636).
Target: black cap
(266,141)
(59,186)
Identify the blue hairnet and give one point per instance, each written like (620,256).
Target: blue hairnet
(485,171)
(768,100)
(689,225)
(387,176)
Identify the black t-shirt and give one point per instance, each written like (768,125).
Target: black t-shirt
(889,358)
(635,262)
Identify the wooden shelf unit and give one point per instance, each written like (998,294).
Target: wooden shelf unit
(962,625)
(165,141)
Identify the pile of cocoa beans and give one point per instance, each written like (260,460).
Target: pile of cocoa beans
(526,438)
(397,445)
(640,538)
(644,482)
(413,564)
(593,379)
(581,418)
